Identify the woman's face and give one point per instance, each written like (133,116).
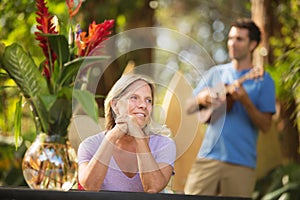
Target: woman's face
(140,102)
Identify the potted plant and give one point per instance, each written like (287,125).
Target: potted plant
(49,88)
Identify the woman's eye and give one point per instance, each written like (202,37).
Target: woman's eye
(133,97)
(149,101)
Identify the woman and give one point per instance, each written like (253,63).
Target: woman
(128,155)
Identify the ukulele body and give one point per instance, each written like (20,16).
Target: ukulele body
(213,112)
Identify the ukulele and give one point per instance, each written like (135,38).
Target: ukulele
(220,97)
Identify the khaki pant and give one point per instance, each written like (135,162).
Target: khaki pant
(215,178)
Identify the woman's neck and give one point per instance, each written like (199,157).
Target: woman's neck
(127,143)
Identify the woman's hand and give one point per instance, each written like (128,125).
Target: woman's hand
(133,128)
(121,112)
(128,123)
(121,124)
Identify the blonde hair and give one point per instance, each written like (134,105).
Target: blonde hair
(120,89)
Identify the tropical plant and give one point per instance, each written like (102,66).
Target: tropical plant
(283,182)
(285,45)
(49,87)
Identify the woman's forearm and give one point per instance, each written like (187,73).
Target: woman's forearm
(92,174)
(154,177)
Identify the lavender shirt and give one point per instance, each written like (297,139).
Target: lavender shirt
(162,148)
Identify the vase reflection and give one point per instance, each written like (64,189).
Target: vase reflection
(50,164)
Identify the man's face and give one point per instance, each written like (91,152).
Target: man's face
(239,45)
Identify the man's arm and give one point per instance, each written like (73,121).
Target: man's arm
(262,120)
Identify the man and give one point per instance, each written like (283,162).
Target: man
(226,162)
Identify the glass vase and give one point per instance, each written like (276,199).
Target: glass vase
(50,163)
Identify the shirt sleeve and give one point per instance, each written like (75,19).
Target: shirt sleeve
(210,78)
(88,147)
(267,100)
(164,150)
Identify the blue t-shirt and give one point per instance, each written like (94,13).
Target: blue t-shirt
(232,137)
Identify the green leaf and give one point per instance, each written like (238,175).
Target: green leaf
(22,69)
(60,115)
(66,92)
(275,194)
(48,100)
(71,69)
(60,46)
(88,103)
(17,122)
(2,49)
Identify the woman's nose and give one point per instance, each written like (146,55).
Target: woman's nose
(142,104)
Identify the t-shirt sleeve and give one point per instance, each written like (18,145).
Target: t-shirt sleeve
(165,150)
(209,78)
(88,147)
(267,100)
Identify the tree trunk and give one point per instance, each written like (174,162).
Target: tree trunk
(261,16)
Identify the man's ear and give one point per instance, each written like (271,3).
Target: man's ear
(253,45)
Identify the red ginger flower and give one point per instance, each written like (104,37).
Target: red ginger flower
(44,19)
(97,34)
(70,4)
